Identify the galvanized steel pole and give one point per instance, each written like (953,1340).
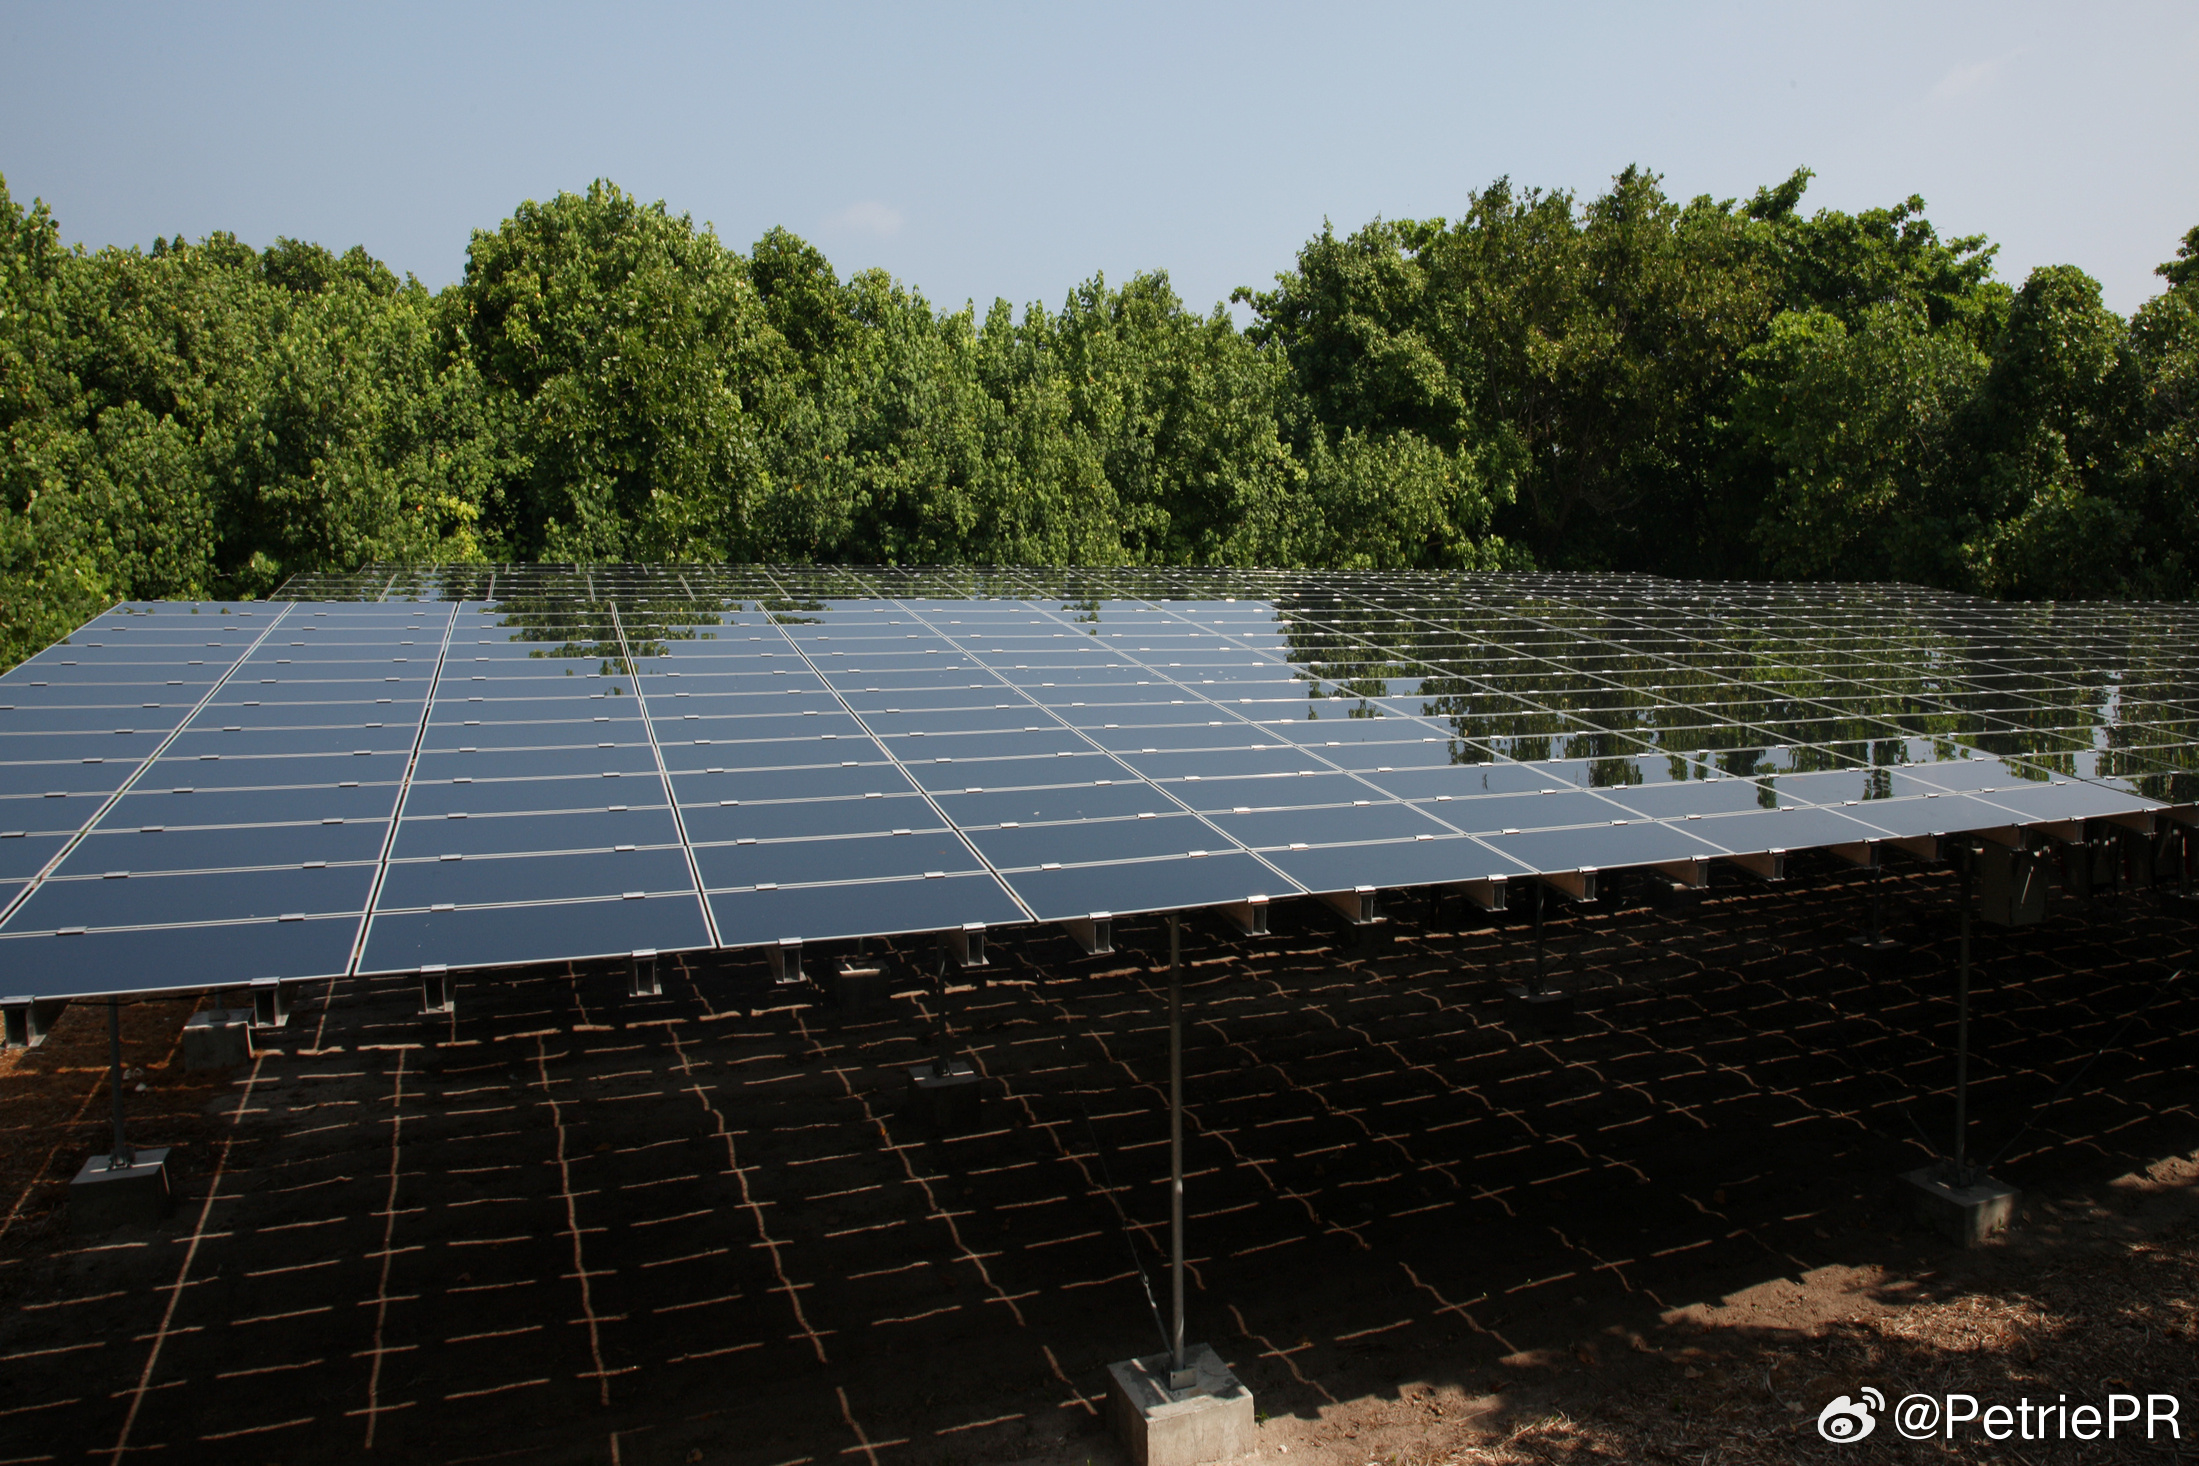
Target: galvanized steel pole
(1175,1134)
(1962,1038)
(122,1157)
(1536,986)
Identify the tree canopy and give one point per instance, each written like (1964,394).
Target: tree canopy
(1629,382)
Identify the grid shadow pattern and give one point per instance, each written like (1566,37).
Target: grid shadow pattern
(564,1223)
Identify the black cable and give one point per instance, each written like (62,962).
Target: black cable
(1107,1177)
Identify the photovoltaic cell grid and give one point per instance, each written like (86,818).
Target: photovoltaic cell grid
(478,766)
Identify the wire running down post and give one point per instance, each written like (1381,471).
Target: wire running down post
(1179,1376)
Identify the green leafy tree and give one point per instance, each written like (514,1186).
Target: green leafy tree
(1857,431)
(2159,481)
(105,489)
(1849,265)
(620,347)
(1623,382)
(1574,352)
(1395,499)
(1175,410)
(2053,429)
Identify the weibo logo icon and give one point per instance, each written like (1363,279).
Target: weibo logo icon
(1847,1421)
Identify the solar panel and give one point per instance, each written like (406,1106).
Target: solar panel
(478,766)
(209,840)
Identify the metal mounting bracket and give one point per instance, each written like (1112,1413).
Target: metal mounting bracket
(26,1021)
(1094,933)
(1574,885)
(1355,906)
(965,944)
(1861,853)
(1692,874)
(1489,895)
(1765,865)
(270,1002)
(1248,916)
(437,993)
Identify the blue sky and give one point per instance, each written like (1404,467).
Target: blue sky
(1013,150)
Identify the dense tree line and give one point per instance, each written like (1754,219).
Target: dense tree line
(1628,383)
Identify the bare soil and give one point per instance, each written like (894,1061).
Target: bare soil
(569,1225)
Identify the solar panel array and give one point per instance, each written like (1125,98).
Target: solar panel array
(473,766)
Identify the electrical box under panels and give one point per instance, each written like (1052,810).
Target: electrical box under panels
(2011,886)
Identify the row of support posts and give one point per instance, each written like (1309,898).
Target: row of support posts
(1956,1194)
(1954,1188)
(1980,1205)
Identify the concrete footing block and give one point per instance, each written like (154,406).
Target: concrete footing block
(217,1038)
(1210,1421)
(103,1196)
(1964,1210)
(1539,1012)
(944,1095)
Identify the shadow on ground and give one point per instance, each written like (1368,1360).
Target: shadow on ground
(569,1225)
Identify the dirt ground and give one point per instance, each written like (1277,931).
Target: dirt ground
(567,1225)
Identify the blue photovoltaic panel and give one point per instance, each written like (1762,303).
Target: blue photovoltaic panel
(536,822)
(476,766)
(245,840)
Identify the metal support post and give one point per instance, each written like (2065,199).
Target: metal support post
(1182,1404)
(1179,1378)
(1872,855)
(946,1091)
(1962,1037)
(944,1059)
(122,1157)
(1953,1195)
(1538,938)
